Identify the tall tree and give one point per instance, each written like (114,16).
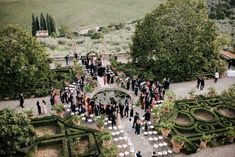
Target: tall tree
(34,29)
(52,24)
(24,64)
(48,24)
(37,24)
(176,40)
(43,25)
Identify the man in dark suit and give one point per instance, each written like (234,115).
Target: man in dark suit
(21,99)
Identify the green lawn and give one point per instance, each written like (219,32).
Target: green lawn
(75,13)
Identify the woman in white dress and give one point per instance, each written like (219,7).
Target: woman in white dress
(44,107)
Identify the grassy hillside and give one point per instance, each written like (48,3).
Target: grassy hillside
(75,13)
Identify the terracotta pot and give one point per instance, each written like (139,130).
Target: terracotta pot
(156,120)
(203,144)
(176,146)
(60,114)
(231,139)
(165,110)
(99,128)
(107,143)
(165,132)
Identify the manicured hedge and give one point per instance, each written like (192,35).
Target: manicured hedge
(67,133)
(216,124)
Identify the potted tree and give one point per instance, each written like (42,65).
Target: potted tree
(205,139)
(211,91)
(100,122)
(170,95)
(192,94)
(59,108)
(165,128)
(107,139)
(230,134)
(156,114)
(77,120)
(167,106)
(177,142)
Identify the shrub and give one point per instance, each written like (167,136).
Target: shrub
(16,132)
(96,35)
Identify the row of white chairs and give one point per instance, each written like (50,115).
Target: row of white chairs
(163,144)
(164,153)
(146,133)
(116,133)
(120,138)
(126,153)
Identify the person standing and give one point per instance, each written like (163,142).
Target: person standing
(118,119)
(113,119)
(126,112)
(111,78)
(121,108)
(21,99)
(216,77)
(137,126)
(133,84)
(108,78)
(44,107)
(132,111)
(147,115)
(105,79)
(128,84)
(198,81)
(39,108)
(202,84)
(138,154)
(136,89)
(135,119)
(67,59)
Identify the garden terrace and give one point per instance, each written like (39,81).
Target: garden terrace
(58,137)
(193,118)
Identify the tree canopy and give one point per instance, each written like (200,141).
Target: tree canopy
(15,132)
(24,64)
(176,40)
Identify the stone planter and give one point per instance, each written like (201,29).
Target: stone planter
(165,132)
(203,144)
(176,146)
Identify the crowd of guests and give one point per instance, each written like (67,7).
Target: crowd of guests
(150,92)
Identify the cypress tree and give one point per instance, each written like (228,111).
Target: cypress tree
(48,24)
(52,24)
(34,29)
(37,24)
(43,23)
